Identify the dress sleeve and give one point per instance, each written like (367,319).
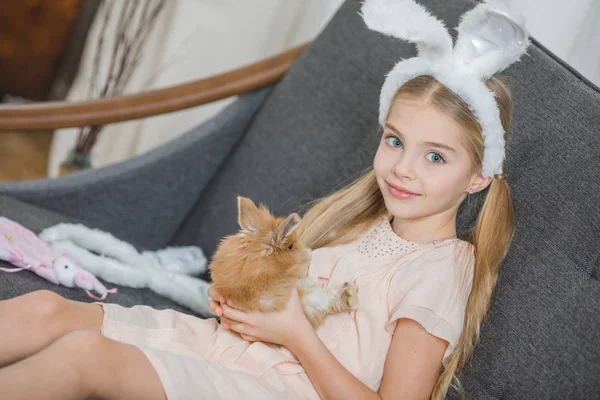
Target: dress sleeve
(433,290)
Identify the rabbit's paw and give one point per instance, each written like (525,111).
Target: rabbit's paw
(350,295)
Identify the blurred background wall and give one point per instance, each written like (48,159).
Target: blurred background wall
(195,39)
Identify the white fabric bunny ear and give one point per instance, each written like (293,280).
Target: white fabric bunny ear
(407,20)
(491,37)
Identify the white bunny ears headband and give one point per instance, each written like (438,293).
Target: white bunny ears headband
(491,37)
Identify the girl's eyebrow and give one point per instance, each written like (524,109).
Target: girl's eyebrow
(433,144)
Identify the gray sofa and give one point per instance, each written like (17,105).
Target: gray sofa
(317,130)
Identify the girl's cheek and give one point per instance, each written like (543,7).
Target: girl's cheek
(377,162)
(440,188)
(381,159)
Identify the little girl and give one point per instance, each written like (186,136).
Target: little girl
(422,292)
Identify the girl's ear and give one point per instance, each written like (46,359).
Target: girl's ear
(249,216)
(479,183)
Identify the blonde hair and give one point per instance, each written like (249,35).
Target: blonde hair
(348,213)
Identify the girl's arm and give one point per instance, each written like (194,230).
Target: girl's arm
(412,366)
(413,362)
(328,376)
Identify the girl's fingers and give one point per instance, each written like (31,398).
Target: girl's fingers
(215,308)
(249,338)
(241,328)
(225,322)
(233,313)
(213,294)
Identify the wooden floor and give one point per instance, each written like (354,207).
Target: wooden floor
(24,155)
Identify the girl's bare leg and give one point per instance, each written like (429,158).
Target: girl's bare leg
(82,365)
(33,321)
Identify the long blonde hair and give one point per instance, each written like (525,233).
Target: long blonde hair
(346,214)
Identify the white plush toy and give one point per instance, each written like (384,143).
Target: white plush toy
(167,272)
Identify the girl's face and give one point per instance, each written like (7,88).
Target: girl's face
(422,152)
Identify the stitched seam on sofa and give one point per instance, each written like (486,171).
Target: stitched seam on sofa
(555,58)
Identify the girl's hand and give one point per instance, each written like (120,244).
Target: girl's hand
(216,308)
(215,302)
(279,327)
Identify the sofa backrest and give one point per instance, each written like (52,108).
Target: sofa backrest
(317,131)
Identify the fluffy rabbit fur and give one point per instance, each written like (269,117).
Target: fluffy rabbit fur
(257,267)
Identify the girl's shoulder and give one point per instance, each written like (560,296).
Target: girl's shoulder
(449,263)
(449,253)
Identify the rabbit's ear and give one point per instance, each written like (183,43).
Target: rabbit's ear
(289,225)
(249,216)
(491,37)
(407,20)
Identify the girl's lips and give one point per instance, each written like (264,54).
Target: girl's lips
(401,193)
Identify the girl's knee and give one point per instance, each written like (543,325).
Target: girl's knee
(105,368)
(58,315)
(43,305)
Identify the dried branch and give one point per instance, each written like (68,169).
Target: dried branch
(130,38)
(140,38)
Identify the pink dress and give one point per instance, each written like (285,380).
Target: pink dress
(197,359)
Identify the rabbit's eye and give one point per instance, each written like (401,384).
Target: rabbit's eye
(291,246)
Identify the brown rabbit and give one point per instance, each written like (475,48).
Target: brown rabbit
(257,267)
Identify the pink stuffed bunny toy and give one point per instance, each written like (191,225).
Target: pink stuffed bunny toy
(22,248)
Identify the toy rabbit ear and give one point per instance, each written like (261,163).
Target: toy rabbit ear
(407,20)
(84,280)
(491,37)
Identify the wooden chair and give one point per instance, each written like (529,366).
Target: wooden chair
(67,114)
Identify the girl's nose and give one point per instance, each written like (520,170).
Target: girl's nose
(404,166)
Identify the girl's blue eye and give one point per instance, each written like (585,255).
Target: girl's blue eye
(435,158)
(394,141)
